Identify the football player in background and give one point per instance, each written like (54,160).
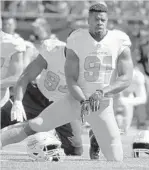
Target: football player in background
(99,59)
(9,27)
(12,50)
(127,100)
(50,87)
(96,59)
(30,54)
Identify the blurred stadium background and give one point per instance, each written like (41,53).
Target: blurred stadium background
(63,17)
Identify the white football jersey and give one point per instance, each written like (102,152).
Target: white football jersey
(9,45)
(52,82)
(137,82)
(97,59)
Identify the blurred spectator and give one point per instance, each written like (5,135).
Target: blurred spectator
(9,26)
(56,7)
(125,102)
(79,8)
(41,30)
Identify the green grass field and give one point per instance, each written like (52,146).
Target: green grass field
(14,157)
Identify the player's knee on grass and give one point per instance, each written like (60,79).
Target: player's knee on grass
(114,152)
(36,124)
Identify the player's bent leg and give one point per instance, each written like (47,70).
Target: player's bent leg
(15,133)
(107,133)
(70,136)
(64,111)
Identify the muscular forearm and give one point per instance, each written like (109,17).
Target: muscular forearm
(20,88)
(75,90)
(119,85)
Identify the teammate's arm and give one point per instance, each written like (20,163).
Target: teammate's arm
(15,69)
(72,73)
(28,75)
(125,74)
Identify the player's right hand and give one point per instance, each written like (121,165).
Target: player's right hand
(18,112)
(85,109)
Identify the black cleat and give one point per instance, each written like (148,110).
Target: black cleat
(94,147)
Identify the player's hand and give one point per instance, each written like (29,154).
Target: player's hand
(18,112)
(95,100)
(85,109)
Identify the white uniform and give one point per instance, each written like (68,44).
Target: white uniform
(9,46)
(52,81)
(134,95)
(97,70)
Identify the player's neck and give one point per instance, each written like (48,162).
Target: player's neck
(99,36)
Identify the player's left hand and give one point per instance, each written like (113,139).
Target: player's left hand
(85,109)
(95,100)
(18,112)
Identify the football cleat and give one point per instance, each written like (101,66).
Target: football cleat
(94,147)
(141,143)
(44,146)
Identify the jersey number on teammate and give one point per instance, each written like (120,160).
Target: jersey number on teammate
(52,82)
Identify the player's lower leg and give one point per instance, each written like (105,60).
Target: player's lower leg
(15,133)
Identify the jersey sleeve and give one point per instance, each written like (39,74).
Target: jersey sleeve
(73,41)
(124,41)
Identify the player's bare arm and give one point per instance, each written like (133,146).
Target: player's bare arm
(72,73)
(125,74)
(28,75)
(14,71)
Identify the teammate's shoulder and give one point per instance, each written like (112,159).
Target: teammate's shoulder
(29,44)
(6,36)
(53,42)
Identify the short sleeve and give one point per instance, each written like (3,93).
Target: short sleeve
(124,41)
(73,41)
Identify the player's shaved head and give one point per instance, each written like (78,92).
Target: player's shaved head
(98,7)
(98,19)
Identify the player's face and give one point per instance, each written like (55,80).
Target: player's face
(40,32)
(9,26)
(97,22)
